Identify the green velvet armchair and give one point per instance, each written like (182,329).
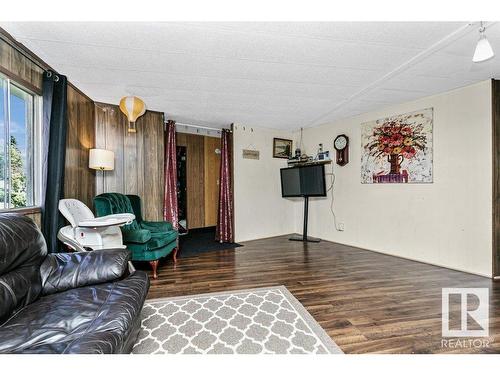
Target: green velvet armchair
(147,240)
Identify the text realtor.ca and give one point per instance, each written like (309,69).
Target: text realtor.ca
(473,306)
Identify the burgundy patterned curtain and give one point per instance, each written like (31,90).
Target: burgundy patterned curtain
(170,209)
(225,230)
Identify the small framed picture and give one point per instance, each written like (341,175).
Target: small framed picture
(282,148)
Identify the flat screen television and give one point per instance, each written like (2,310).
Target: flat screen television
(304,181)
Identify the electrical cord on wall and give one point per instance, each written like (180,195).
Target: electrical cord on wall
(330,188)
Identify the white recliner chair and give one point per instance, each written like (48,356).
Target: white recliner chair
(87,232)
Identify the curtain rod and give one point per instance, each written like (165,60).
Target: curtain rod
(198,126)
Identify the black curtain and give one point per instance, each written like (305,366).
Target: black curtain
(55,124)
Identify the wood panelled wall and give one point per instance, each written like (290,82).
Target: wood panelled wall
(36,217)
(202,177)
(79,179)
(138,157)
(19,68)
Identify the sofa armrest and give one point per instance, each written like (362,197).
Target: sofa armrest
(157,226)
(60,272)
(139,236)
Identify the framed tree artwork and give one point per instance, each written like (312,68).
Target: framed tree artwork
(282,148)
(397,149)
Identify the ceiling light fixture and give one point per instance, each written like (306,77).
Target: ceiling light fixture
(483,50)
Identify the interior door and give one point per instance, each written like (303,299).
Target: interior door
(195,171)
(182,186)
(212,170)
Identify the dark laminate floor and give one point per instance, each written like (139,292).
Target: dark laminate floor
(367,302)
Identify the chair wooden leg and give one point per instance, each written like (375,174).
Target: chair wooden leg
(174,255)
(154,266)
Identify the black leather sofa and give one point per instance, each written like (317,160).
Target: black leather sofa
(85,302)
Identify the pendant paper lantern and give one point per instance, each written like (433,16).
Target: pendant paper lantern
(133,107)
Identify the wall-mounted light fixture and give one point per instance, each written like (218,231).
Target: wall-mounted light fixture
(133,107)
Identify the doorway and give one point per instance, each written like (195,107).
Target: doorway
(198,179)
(182,188)
(198,165)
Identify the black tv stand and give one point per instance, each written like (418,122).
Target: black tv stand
(304,237)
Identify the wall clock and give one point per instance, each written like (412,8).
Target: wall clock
(341,145)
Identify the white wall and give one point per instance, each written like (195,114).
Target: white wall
(446,223)
(259,209)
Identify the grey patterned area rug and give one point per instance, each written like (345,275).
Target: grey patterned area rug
(264,320)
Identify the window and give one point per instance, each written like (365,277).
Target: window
(19,119)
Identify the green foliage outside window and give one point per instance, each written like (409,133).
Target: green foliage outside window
(17,176)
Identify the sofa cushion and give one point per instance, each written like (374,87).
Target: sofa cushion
(92,319)
(22,250)
(140,236)
(65,271)
(161,239)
